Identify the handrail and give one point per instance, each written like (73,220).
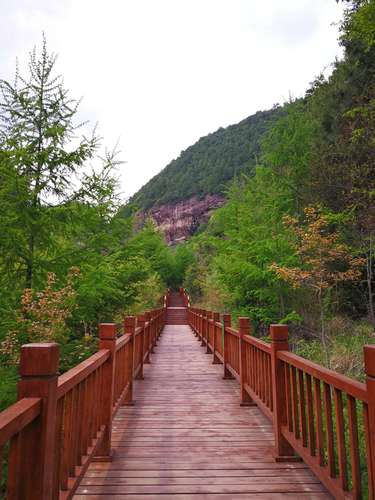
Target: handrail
(317,414)
(75,375)
(17,417)
(124,339)
(351,387)
(64,421)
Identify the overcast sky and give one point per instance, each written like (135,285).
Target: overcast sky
(160,74)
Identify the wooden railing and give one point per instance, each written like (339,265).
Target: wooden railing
(323,417)
(61,423)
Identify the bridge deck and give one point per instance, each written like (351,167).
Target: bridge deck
(188,438)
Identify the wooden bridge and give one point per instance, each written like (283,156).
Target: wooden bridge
(177,403)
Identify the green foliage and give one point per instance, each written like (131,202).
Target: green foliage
(318,151)
(58,214)
(247,234)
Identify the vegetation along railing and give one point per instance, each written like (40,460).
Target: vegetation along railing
(323,417)
(61,423)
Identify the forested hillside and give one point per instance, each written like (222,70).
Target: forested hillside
(207,166)
(295,243)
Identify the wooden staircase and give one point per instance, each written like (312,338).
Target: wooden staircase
(176,310)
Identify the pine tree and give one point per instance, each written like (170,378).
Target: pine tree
(40,155)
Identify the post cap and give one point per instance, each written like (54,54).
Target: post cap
(141,319)
(279,333)
(227,319)
(130,323)
(107,331)
(39,360)
(244,325)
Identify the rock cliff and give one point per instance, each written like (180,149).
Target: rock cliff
(181,219)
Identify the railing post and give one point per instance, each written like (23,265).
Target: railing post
(216,319)
(279,342)
(156,320)
(160,323)
(147,333)
(152,331)
(157,326)
(369,354)
(107,336)
(227,321)
(163,321)
(243,329)
(203,332)
(208,330)
(38,369)
(130,323)
(141,324)
(200,325)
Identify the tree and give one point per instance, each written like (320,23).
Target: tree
(40,155)
(325,261)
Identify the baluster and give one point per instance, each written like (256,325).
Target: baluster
(319,420)
(329,429)
(310,414)
(340,433)
(262,375)
(289,410)
(354,449)
(293,385)
(302,408)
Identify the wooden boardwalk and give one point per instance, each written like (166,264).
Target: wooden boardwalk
(186,437)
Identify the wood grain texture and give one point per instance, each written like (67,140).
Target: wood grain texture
(188,438)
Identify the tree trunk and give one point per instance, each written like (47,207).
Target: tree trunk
(322,329)
(30,264)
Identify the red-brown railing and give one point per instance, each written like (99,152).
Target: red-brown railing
(61,423)
(323,417)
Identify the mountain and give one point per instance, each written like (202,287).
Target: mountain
(182,196)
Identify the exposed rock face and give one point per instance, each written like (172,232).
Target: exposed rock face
(180,220)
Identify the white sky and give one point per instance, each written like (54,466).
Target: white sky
(160,74)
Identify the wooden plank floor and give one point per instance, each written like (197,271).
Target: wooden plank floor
(188,438)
